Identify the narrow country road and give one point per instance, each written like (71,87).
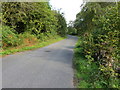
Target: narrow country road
(48,67)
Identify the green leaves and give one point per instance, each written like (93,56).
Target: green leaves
(33,17)
(62,26)
(9,38)
(99,28)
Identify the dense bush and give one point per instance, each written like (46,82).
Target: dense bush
(28,39)
(32,17)
(62,26)
(9,38)
(35,19)
(72,30)
(98,23)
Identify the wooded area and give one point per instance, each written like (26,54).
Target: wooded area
(98,25)
(97,53)
(30,22)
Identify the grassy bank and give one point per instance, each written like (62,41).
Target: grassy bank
(87,73)
(24,47)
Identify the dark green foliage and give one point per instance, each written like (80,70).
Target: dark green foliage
(35,18)
(88,73)
(98,24)
(72,30)
(9,37)
(62,26)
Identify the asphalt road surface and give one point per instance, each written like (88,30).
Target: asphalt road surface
(48,67)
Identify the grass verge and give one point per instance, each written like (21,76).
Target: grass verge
(87,74)
(25,48)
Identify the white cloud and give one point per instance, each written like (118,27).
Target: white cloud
(69,7)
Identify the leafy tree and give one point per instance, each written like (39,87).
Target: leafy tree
(71,29)
(32,17)
(35,18)
(98,23)
(62,26)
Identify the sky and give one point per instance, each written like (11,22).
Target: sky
(69,7)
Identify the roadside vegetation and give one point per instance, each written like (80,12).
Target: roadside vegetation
(28,25)
(97,53)
(71,30)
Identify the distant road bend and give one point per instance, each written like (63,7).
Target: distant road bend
(47,67)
